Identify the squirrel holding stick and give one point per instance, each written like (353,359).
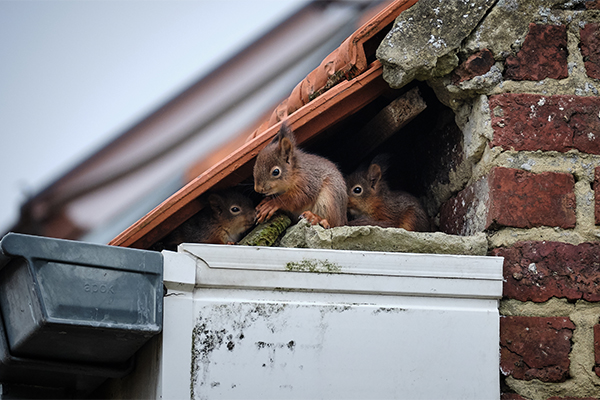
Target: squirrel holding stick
(299,183)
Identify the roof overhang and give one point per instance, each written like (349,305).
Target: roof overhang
(345,82)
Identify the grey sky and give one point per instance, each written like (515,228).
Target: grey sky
(76,73)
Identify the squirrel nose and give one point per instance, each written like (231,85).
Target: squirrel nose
(260,188)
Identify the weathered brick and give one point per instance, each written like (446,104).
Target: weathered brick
(572,398)
(597,349)
(537,271)
(590,49)
(477,64)
(536,347)
(511,396)
(597,194)
(533,122)
(592,5)
(543,55)
(513,198)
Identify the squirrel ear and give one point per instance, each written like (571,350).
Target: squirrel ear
(216,203)
(286,148)
(374,175)
(286,141)
(383,160)
(284,132)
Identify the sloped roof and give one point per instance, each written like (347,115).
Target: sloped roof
(346,81)
(145,164)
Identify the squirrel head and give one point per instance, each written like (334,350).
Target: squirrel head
(275,163)
(366,187)
(233,212)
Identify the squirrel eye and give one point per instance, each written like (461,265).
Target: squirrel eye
(235,209)
(276,172)
(357,189)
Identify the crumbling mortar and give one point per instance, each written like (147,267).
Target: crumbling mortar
(507,237)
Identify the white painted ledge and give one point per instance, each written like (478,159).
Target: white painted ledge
(347,271)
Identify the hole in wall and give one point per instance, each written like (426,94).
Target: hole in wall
(423,152)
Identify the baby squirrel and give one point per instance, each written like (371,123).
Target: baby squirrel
(371,202)
(299,183)
(228,215)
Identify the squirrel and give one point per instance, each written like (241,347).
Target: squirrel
(228,215)
(371,202)
(299,183)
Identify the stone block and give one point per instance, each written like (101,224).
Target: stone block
(423,40)
(374,238)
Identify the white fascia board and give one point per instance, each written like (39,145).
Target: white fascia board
(342,271)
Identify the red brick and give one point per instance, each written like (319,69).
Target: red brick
(536,347)
(597,194)
(537,271)
(477,64)
(597,349)
(511,396)
(524,200)
(543,55)
(513,198)
(533,122)
(590,49)
(571,398)
(593,5)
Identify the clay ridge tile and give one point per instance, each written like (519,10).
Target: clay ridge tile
(344,63)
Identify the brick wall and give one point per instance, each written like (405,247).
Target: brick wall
(535,190)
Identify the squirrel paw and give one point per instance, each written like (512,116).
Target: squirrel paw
(314,219)
(265,210)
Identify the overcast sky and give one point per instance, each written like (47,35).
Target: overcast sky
(76,73)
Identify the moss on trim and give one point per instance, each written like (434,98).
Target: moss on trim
(313,265)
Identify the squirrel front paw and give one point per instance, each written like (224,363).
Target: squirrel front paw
(314,219)
(265,210)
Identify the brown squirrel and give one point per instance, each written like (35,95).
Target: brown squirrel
(299,183)
(371,202)
(228,215)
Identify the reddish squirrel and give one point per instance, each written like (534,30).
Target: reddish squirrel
(299,183)
(228,215)
(371,202)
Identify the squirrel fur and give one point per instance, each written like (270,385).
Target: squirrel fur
(223,221)
(371,202)
(299,183)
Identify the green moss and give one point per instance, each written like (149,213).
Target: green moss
(267,233)
(313,265)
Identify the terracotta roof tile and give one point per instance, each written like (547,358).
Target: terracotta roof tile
(344,63)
